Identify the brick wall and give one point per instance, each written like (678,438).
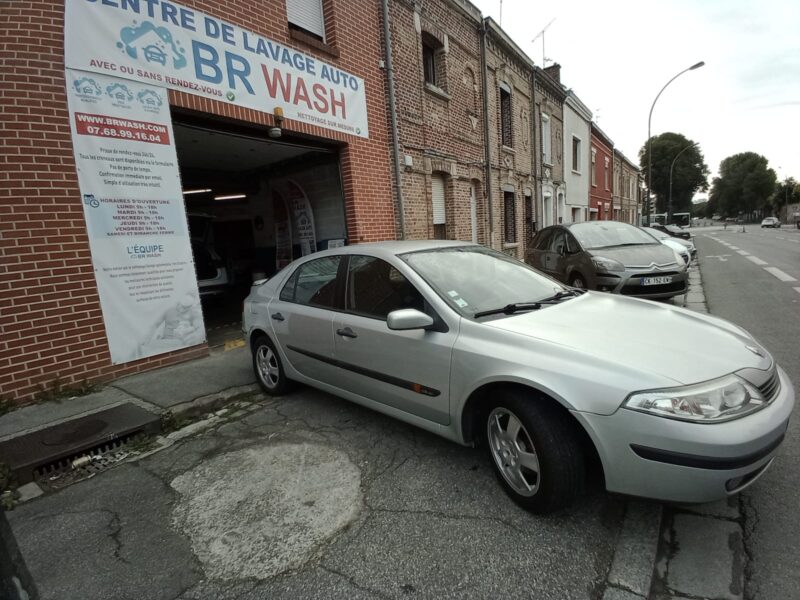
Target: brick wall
(440,127)
(512,166)
(600,195)
(51,326)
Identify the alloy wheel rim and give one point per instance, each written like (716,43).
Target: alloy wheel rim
(578,283)
(268,369)
(513,452)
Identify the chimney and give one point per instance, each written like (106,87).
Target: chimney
(554,71)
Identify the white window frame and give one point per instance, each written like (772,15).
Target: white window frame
(576,168)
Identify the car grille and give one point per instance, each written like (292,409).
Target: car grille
(771,387)
(644,290)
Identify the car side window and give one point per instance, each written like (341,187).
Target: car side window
(572,244)
(558,243)
(375,288)
(543,239)
(313,283)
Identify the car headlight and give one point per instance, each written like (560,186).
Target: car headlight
(605,265)
(713,401)
(678,258)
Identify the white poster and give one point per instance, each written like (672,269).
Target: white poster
(169,45)
(132,199)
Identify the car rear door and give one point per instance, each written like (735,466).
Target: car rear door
(407,370)
(555,255)
(302,317)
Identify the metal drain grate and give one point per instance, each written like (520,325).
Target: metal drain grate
(71,469)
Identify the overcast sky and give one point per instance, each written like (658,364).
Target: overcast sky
(616,56)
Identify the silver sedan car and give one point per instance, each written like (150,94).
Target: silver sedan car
(480,348)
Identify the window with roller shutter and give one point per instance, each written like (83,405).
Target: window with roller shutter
(307,16)
(437,201)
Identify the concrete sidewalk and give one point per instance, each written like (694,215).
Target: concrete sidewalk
(187,388)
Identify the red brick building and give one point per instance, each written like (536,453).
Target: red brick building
(52,330)
(602,184)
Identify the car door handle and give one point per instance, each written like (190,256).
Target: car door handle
(346,332)
(278,317)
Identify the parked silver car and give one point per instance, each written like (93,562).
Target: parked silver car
(609,256)
(680,245)
(478,347)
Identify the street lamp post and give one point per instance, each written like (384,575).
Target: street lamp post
(672,166)
(649,138)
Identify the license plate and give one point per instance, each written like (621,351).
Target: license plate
(656,280)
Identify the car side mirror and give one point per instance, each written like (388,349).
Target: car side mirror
(408,318)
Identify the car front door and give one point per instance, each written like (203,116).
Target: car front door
(302,317)
(554,256)
(538,253)
(407,370)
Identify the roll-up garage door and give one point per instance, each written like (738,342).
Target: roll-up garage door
(437,198)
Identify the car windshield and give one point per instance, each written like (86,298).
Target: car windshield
(610,233)
(473,279)
(659,235)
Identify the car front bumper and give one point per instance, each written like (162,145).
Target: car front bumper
(677,461)
(628,283)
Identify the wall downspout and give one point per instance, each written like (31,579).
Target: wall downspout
(537,175)
(387,37)
(486,137)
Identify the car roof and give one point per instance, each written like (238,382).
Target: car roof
(394,247)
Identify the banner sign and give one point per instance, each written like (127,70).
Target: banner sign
(169,45)
(135,216)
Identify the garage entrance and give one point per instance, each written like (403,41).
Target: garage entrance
(253,205)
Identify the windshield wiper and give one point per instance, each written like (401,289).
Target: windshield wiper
(563,294)
(510,309)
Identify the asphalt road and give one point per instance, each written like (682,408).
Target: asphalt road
(752,278)
(309,496)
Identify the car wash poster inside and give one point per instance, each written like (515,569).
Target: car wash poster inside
(131,192)
(166,44)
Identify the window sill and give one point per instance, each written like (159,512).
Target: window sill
(508,149)
(437,91)
(574,172)
(510,246)
(310,40)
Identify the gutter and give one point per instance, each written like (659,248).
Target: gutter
(486,138)
(387,37)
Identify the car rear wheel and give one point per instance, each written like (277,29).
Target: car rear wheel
(535,451)
(269,368)
(577,281)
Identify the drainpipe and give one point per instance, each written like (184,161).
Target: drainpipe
(486,138)
(387,36)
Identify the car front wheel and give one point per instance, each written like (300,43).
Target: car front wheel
(535,451)
(269,368)
(577,281)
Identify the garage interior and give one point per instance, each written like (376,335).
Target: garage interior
(253,204)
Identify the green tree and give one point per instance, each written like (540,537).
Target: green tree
(786,192)
(689,173)
(745,185)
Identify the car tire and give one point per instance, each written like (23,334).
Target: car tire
(268,367)
(577,280)
(541,467)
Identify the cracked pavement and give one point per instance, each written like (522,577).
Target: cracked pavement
(310,496)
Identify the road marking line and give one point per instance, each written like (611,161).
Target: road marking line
(757,260)
(797,289)
(743,252)
(733,247)
(780,238)
(779,274)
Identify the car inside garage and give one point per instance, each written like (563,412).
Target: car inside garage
(254,203)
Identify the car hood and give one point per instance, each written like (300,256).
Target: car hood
(649,337)
(643,255)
